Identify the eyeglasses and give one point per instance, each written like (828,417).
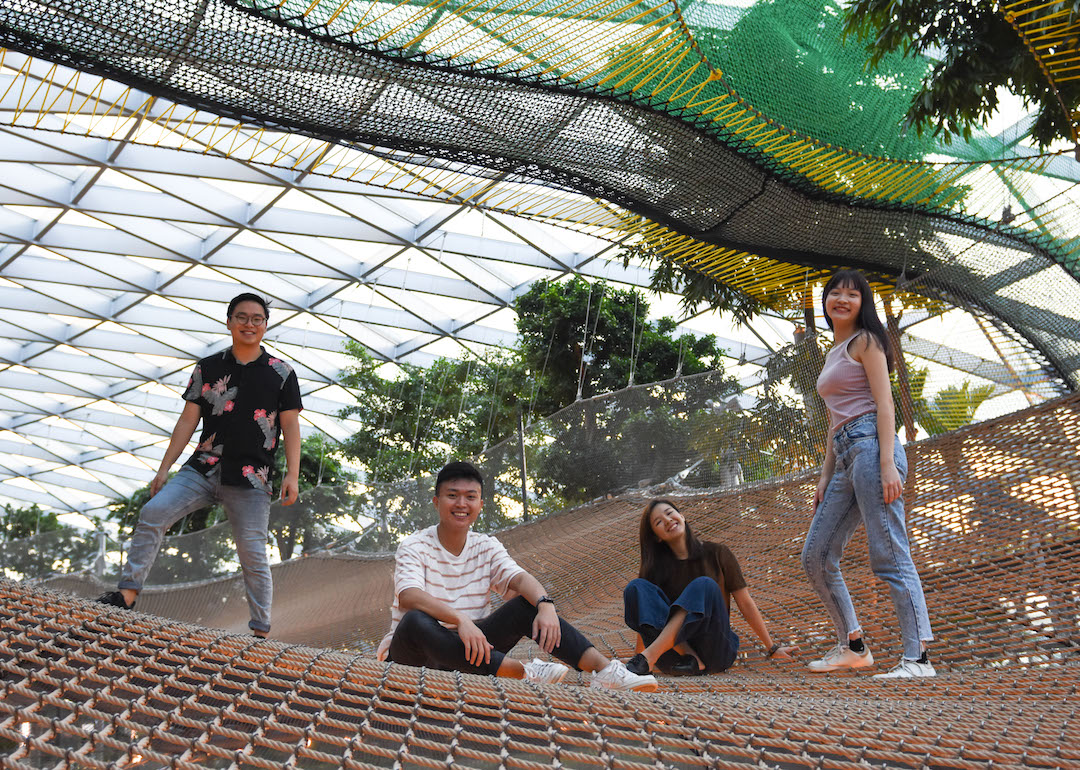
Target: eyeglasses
(244,319)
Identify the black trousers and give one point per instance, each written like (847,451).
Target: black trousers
(420,640)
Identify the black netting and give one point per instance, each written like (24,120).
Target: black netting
(212,55)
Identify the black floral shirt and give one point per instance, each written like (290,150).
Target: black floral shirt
(240,404)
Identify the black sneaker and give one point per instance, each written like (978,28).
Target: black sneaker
(638,664)
(686,665)
(114,599)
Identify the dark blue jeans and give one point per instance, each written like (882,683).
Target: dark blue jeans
(707,627)
(421,640)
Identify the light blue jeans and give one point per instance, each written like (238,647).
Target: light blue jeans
(248,510)
(855,496)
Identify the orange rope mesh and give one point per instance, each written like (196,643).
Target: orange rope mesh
(995,525)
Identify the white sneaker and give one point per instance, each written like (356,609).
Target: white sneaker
(841,657)
(908,669)
(543,672)
(616,676)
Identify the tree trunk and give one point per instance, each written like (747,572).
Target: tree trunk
(907,406)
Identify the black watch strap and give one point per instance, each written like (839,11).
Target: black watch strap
(543,599)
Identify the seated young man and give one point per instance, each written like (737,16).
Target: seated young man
(441,618)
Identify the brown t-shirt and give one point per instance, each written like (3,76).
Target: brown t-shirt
(716,561)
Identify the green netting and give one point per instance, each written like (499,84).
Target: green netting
(526,96)
(789,61)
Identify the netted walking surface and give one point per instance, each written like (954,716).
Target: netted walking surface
(995,525)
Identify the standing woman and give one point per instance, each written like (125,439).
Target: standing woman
(861,482)
(679,602)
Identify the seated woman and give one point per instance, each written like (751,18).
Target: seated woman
(679,602)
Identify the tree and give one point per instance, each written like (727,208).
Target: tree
(580,339)
(34,544)
(981,52)
(577,340)
(952,407)
(416,422)
(779,434)
(24,522)
(324,496)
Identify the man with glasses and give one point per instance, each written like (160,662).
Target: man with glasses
(244,397)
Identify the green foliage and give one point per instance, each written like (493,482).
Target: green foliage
(23,522)
(981,53)
(320,463)
(633,438)
(799,365)
(952,407)
(574,329)
(324,496)
(415,423)
(574,336)
(52,547)
(785,430)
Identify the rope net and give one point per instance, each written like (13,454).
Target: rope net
(995,525)
(704,431)
(685,127)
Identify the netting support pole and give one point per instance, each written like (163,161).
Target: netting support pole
(521,458)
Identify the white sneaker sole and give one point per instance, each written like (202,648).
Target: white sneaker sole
(828,669)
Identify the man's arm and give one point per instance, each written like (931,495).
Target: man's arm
(181,435)
(477,647)
(290,433)
(546,630)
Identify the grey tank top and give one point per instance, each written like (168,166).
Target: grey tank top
(843,386)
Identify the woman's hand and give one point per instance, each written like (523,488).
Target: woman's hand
(891,485)
(786,653)
(819,493)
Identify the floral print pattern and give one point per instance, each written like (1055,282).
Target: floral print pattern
(268,424)
(220,396)
(207,452)
(260,479)
(240,406)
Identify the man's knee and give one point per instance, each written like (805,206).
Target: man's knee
(253,558)
(157,513)
(413,623)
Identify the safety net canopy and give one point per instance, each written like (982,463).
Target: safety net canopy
(743,142)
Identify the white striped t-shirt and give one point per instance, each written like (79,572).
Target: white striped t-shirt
(465,581)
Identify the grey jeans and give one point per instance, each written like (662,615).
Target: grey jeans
(855,496)
(248,510)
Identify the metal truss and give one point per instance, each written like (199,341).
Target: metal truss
(117,258)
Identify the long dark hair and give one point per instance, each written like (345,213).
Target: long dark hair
(868,317)
(656,556)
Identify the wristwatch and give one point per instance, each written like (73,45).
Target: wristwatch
(543,599)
